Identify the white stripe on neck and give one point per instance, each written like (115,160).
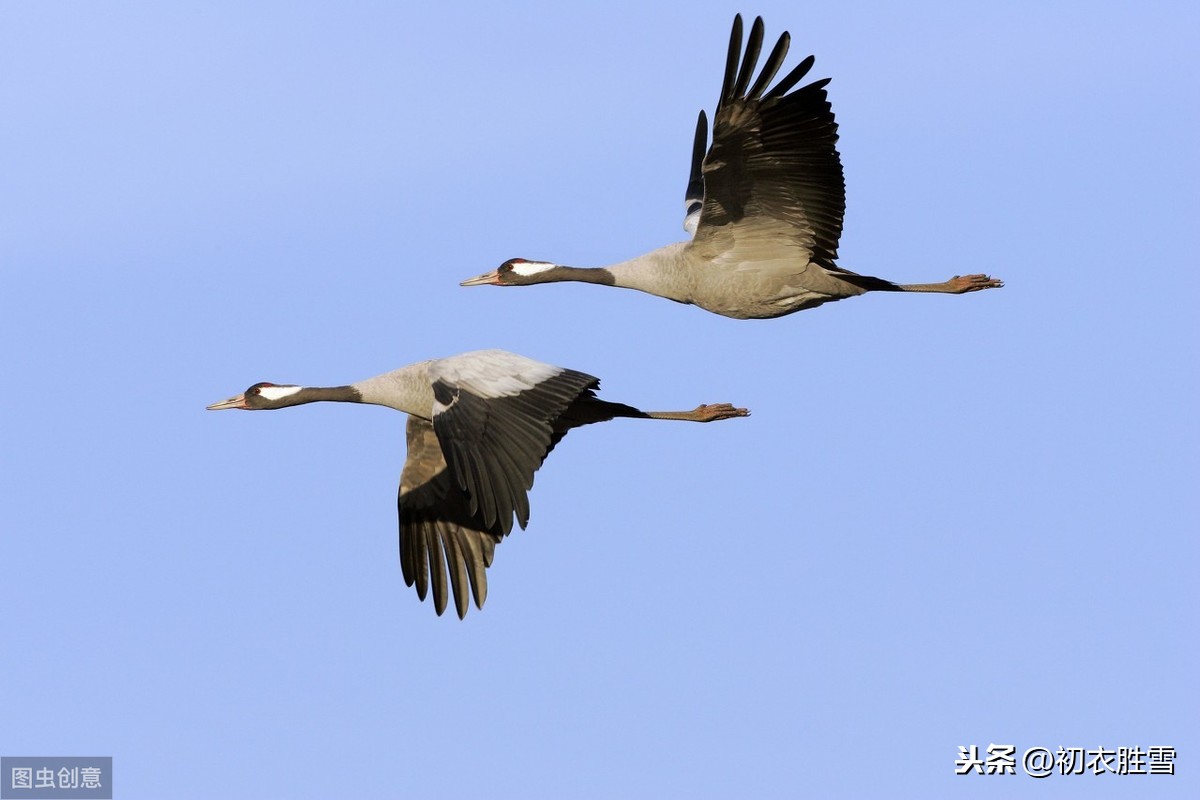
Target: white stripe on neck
(528,268)
(278,392)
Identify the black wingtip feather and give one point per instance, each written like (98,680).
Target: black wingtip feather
(456,563)
(437,574)
(771,67)
(412,566)
(477,561)
(750,58)
(731,61)
(792,78)
(695,187)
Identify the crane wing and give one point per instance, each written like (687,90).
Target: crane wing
(494,414)
(439,534)
(773,157)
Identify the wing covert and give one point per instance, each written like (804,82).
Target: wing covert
(496,433)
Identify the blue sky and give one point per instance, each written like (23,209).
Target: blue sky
(950,520)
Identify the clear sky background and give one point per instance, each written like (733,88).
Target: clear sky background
(949,521)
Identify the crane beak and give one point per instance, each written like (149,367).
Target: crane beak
(486,279)
(233,402)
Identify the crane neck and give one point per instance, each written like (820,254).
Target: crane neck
(560,273)
(660,272)
(663,272)
(319,394)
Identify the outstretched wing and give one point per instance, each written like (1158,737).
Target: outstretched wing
(773,159)
(439,533)
(494,413)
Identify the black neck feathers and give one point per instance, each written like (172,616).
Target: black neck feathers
(313,394)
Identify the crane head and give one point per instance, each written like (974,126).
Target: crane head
(514,272)
(259,396)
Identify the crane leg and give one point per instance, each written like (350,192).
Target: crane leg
(959,284)
(702,413)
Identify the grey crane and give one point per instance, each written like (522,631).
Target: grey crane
(764,206)
(479,425)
